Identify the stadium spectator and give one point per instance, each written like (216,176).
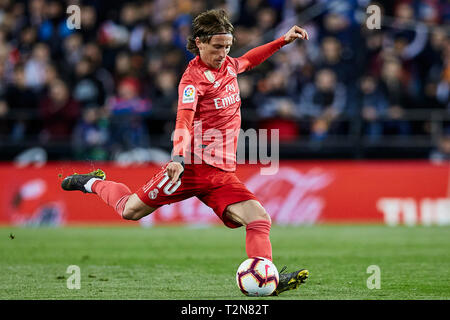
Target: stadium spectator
(36,12)
(22,104)
(50,74)
(247,92)
(441,153)
(88,90)
(72,49)
(336,23)
(276,108)
(93,53)
(394,88)
(4,126)
(443,87)
(128,114)
(113,38)
(371,49)
(430,67)
(331,58)
(123,66)
(165,49)
(372,104)
(90,137)
(35,66)
(406,36)
(54,28)
(3,78)
(323,102)
(266,19)
(247,11)
(27,40)
(59,113)
(89,22)
(165,93)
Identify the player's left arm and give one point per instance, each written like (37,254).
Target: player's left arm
(259,54)
(181,140)
(187,104)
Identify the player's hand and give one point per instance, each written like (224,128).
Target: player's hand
(296,33)
(174,170)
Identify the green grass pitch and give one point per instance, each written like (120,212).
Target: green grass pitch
(200,263)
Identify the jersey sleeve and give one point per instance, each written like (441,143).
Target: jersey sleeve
(182,137)
(188,92)
(259,54)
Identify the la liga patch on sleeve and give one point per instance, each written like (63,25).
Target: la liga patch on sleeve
(188,94)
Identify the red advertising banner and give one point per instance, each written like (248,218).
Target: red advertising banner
(390,192)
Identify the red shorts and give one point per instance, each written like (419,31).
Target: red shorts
(214,187)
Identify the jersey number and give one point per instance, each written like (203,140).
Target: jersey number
(170,187)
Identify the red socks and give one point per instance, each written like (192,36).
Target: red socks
(257,242)
(114,194)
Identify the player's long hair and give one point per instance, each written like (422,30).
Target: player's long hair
(207,24)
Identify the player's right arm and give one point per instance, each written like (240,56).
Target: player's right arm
(187,104)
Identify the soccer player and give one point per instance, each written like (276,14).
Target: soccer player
(205,142)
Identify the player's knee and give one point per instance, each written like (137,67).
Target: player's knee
(260,214)
(132,214)
(246,212)
(135,209)
(266,216)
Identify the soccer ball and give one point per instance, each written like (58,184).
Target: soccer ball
(257,277)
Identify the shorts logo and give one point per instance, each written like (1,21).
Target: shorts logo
(153,194)
(188,94)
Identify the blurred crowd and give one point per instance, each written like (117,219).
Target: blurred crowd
(111,86)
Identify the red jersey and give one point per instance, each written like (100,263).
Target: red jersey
(213,95)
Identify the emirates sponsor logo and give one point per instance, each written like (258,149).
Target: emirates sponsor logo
(227,101)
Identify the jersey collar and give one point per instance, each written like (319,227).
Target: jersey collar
(200,61)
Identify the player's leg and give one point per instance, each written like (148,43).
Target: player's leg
(136,209)
(237,206)
(253,216)
(119,196)
(257,222)
(115,194)
(246,212)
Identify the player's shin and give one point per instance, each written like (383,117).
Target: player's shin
(112,193)
(257,241)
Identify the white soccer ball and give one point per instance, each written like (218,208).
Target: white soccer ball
(257,277)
